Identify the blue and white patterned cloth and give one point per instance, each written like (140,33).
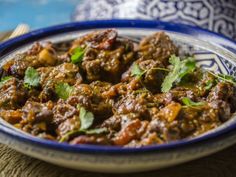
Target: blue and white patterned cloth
(215,15)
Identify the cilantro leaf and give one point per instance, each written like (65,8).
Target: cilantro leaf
(31,78)
(188,102)
(227,78)
(209,84)
(78,54)
(63,90)
(224,77)
(173,75)
(180,70)
(136,70)
(4,80)
(86,118)
(69,134)
(187,66)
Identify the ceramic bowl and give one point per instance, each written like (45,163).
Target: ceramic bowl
(211,51)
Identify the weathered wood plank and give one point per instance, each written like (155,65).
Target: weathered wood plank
(14,164)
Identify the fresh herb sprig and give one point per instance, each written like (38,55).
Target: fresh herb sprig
(31,78)
(4,80)
(86,121)
(63,90)
(180,68)
(77,55)
(209,84)
(224,77)
(189,103)
(86,118)
(138,72)
(96,131)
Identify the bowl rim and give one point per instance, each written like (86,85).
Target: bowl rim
(11,44)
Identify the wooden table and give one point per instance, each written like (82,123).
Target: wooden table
(14,164)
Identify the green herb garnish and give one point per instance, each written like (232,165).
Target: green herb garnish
(189,103)
(69,134)
(187,66)
(180,70)
(209,84)
(77,56)
(86,118)
(63,90)
(86,121)
(4,80)
(96,131)
(224,77)
(136,70)
(32,78)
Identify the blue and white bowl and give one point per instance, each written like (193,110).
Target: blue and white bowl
(211,51)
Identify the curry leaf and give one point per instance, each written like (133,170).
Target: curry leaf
(31,78)
(77,56)
(188,102)
(86,118)
(63,90)
(180,68)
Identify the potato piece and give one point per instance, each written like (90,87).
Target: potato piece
(47,57)
(11,116)
(170,112)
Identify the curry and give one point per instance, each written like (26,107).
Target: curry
(105,89)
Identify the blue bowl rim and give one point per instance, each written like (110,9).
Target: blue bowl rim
(11,44)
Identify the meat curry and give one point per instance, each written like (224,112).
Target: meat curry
(108,90)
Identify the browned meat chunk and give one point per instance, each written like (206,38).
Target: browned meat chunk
(138,103)
(63,111)
(12,94)
(106,57)
(153,74)
(98,40)
(50,76)
(157,47)
(90,139)
(37,118)
(222,91)
(37,56)
(90,97)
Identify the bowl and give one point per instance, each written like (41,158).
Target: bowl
(211,50)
